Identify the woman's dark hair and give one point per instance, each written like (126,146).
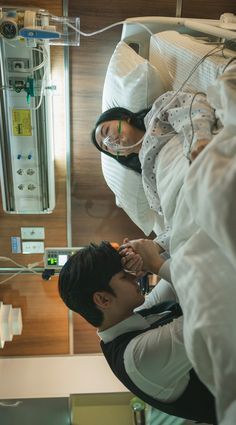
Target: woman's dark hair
(136,119)
(86,272)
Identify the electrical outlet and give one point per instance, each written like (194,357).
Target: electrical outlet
(16,64)
(32,233)
(33,247)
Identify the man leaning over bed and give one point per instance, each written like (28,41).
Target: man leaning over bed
(142,340)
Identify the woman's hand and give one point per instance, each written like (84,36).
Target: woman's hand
(132,263)
(198,148)
(141,255)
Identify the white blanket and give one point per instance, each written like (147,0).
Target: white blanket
(203,251)
(199,203)
(210,187)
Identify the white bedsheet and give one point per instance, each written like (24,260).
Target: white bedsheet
(182,53)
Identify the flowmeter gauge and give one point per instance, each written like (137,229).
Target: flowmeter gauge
(9,29)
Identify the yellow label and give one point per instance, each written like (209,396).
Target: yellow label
(21,120)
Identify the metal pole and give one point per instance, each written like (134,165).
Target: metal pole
(68,167)
(179,4)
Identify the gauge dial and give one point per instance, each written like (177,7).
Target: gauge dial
(8,29)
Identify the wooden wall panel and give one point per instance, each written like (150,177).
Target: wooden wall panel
(210,9)
(45,318)
(95,14)
(85,336)
(94,213)
(54,7)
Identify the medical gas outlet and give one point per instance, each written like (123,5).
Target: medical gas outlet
(38,24)
(26,118)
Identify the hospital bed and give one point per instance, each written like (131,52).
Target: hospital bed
(137,72)
(203,231)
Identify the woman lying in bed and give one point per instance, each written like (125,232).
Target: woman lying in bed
(159,143)
(120,132)
(198,202)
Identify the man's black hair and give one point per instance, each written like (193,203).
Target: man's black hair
(136,119)
(86,272)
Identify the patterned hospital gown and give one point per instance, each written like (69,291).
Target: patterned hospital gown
(187,115)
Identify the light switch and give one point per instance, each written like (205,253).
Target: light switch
(32,233)
(33,247)
(15,244)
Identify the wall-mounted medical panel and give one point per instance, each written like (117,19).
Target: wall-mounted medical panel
(26,133)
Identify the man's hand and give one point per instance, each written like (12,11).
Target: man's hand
(146,250)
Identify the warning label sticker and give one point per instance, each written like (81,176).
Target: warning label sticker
(21,121)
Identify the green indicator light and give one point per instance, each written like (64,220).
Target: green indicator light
(52,261)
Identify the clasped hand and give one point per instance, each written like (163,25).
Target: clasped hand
(141,256)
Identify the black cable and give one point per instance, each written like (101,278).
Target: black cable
(230,61)
(210,53)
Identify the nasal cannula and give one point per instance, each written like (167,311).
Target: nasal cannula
(115,143)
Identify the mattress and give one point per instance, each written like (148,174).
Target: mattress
(182,53)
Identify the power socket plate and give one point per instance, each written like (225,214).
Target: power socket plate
(33,247)
(32,233)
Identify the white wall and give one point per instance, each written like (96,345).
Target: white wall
(56,376)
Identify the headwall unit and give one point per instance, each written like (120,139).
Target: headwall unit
(26,133)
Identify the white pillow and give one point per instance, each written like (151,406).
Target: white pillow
(133,83)
(127,186)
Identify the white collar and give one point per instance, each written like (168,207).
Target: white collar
(133,323)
